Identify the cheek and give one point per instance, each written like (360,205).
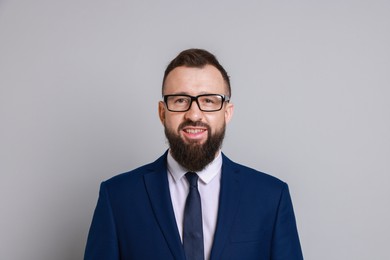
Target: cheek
(172,122)
(216,122)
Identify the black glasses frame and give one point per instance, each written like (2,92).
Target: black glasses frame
(224,99)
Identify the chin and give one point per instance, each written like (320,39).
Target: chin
(194,142)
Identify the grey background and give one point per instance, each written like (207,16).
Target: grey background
(79,87)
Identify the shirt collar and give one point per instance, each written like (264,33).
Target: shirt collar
(206,175)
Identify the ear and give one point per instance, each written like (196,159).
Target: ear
(161,111)
(229,109)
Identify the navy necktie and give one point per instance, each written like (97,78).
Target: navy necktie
(193,230)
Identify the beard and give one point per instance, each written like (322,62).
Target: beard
(195,156)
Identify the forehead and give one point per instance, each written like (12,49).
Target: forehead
(195,81)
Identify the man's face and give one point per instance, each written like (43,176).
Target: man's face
(194,129)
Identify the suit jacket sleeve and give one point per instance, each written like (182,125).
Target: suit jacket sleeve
(285,244)
(102,239)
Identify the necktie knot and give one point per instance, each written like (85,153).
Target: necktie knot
(192,178)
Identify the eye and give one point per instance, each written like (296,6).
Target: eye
(209,100)
(181,100)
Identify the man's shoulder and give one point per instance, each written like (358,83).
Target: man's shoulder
(135,175)
(253,176)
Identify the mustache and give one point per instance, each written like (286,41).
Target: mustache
(195,124)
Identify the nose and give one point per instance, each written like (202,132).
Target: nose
(194,113)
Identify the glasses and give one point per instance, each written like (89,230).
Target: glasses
(206,102)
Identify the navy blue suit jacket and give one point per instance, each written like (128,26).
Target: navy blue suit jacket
(134,217)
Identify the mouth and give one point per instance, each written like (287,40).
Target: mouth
(194,130)
(194,133)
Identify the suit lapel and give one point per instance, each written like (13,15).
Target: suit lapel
(228,206)
(157,187)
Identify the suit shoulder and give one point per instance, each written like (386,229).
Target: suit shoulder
(253,173)
(255,176)
(136,175)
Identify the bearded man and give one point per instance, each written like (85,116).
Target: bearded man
(193,203)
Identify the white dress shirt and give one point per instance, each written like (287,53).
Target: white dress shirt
(209,187)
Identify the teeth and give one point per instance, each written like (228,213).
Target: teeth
(194,131)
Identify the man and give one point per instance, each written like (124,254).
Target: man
(193,202)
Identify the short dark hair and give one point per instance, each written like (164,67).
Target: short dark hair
(196,58)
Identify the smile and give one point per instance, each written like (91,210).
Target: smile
(194,131)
